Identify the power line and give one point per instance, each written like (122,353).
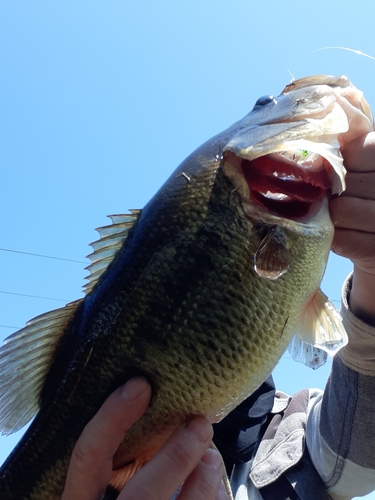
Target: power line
(284,356)
(66,300)
(67,260)
(43,256)
(33,296)
(50,298)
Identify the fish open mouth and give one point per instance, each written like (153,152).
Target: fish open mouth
(287,182)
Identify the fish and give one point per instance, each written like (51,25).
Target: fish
(200,292)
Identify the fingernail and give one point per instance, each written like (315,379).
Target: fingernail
(201,428)
(134,388)
(213,459)
(336,250)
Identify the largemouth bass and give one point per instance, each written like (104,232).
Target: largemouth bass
(201,291)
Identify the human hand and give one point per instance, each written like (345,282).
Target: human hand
(185,457)
(353,214)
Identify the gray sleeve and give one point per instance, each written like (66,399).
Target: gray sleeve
(341,425)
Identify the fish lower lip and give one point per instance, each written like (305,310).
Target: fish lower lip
(276,196)
(281,205)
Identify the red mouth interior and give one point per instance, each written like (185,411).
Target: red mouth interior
(283,187)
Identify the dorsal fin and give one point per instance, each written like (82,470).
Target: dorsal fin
(25,359)
(111,239)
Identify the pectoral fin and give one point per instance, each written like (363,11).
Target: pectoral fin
(272,258)
(25,359)
(311,356)
(320,331)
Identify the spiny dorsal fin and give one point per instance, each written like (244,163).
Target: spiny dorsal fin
(111,239)
(25,359)
(320,329)
(272,258)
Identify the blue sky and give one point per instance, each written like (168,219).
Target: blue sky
(102,100)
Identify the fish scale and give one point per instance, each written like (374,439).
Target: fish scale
(201,296)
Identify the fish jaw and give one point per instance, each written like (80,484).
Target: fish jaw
(300,133)
(358,109)
(297,148)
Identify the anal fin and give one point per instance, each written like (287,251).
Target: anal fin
(121,476)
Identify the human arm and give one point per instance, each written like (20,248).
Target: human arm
(183,459)
(341,426)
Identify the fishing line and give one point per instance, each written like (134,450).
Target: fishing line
(334,47)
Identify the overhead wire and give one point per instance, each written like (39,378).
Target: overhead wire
(41,255)
(50,298)
(33,296)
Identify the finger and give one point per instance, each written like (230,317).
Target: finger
(353,213)
(359,155)
(357,246)
(91,463)
(360,185)
(222,494)
(204,482)
(160,478)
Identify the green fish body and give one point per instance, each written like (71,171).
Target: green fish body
(201,292)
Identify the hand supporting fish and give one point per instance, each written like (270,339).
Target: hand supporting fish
(201,292)
(90,468)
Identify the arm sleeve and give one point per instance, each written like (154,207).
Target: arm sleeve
(341,424)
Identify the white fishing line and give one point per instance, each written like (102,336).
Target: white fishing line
(334,47)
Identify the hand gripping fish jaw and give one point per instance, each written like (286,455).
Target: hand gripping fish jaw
(290,160)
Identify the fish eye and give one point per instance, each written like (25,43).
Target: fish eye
(265,99)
